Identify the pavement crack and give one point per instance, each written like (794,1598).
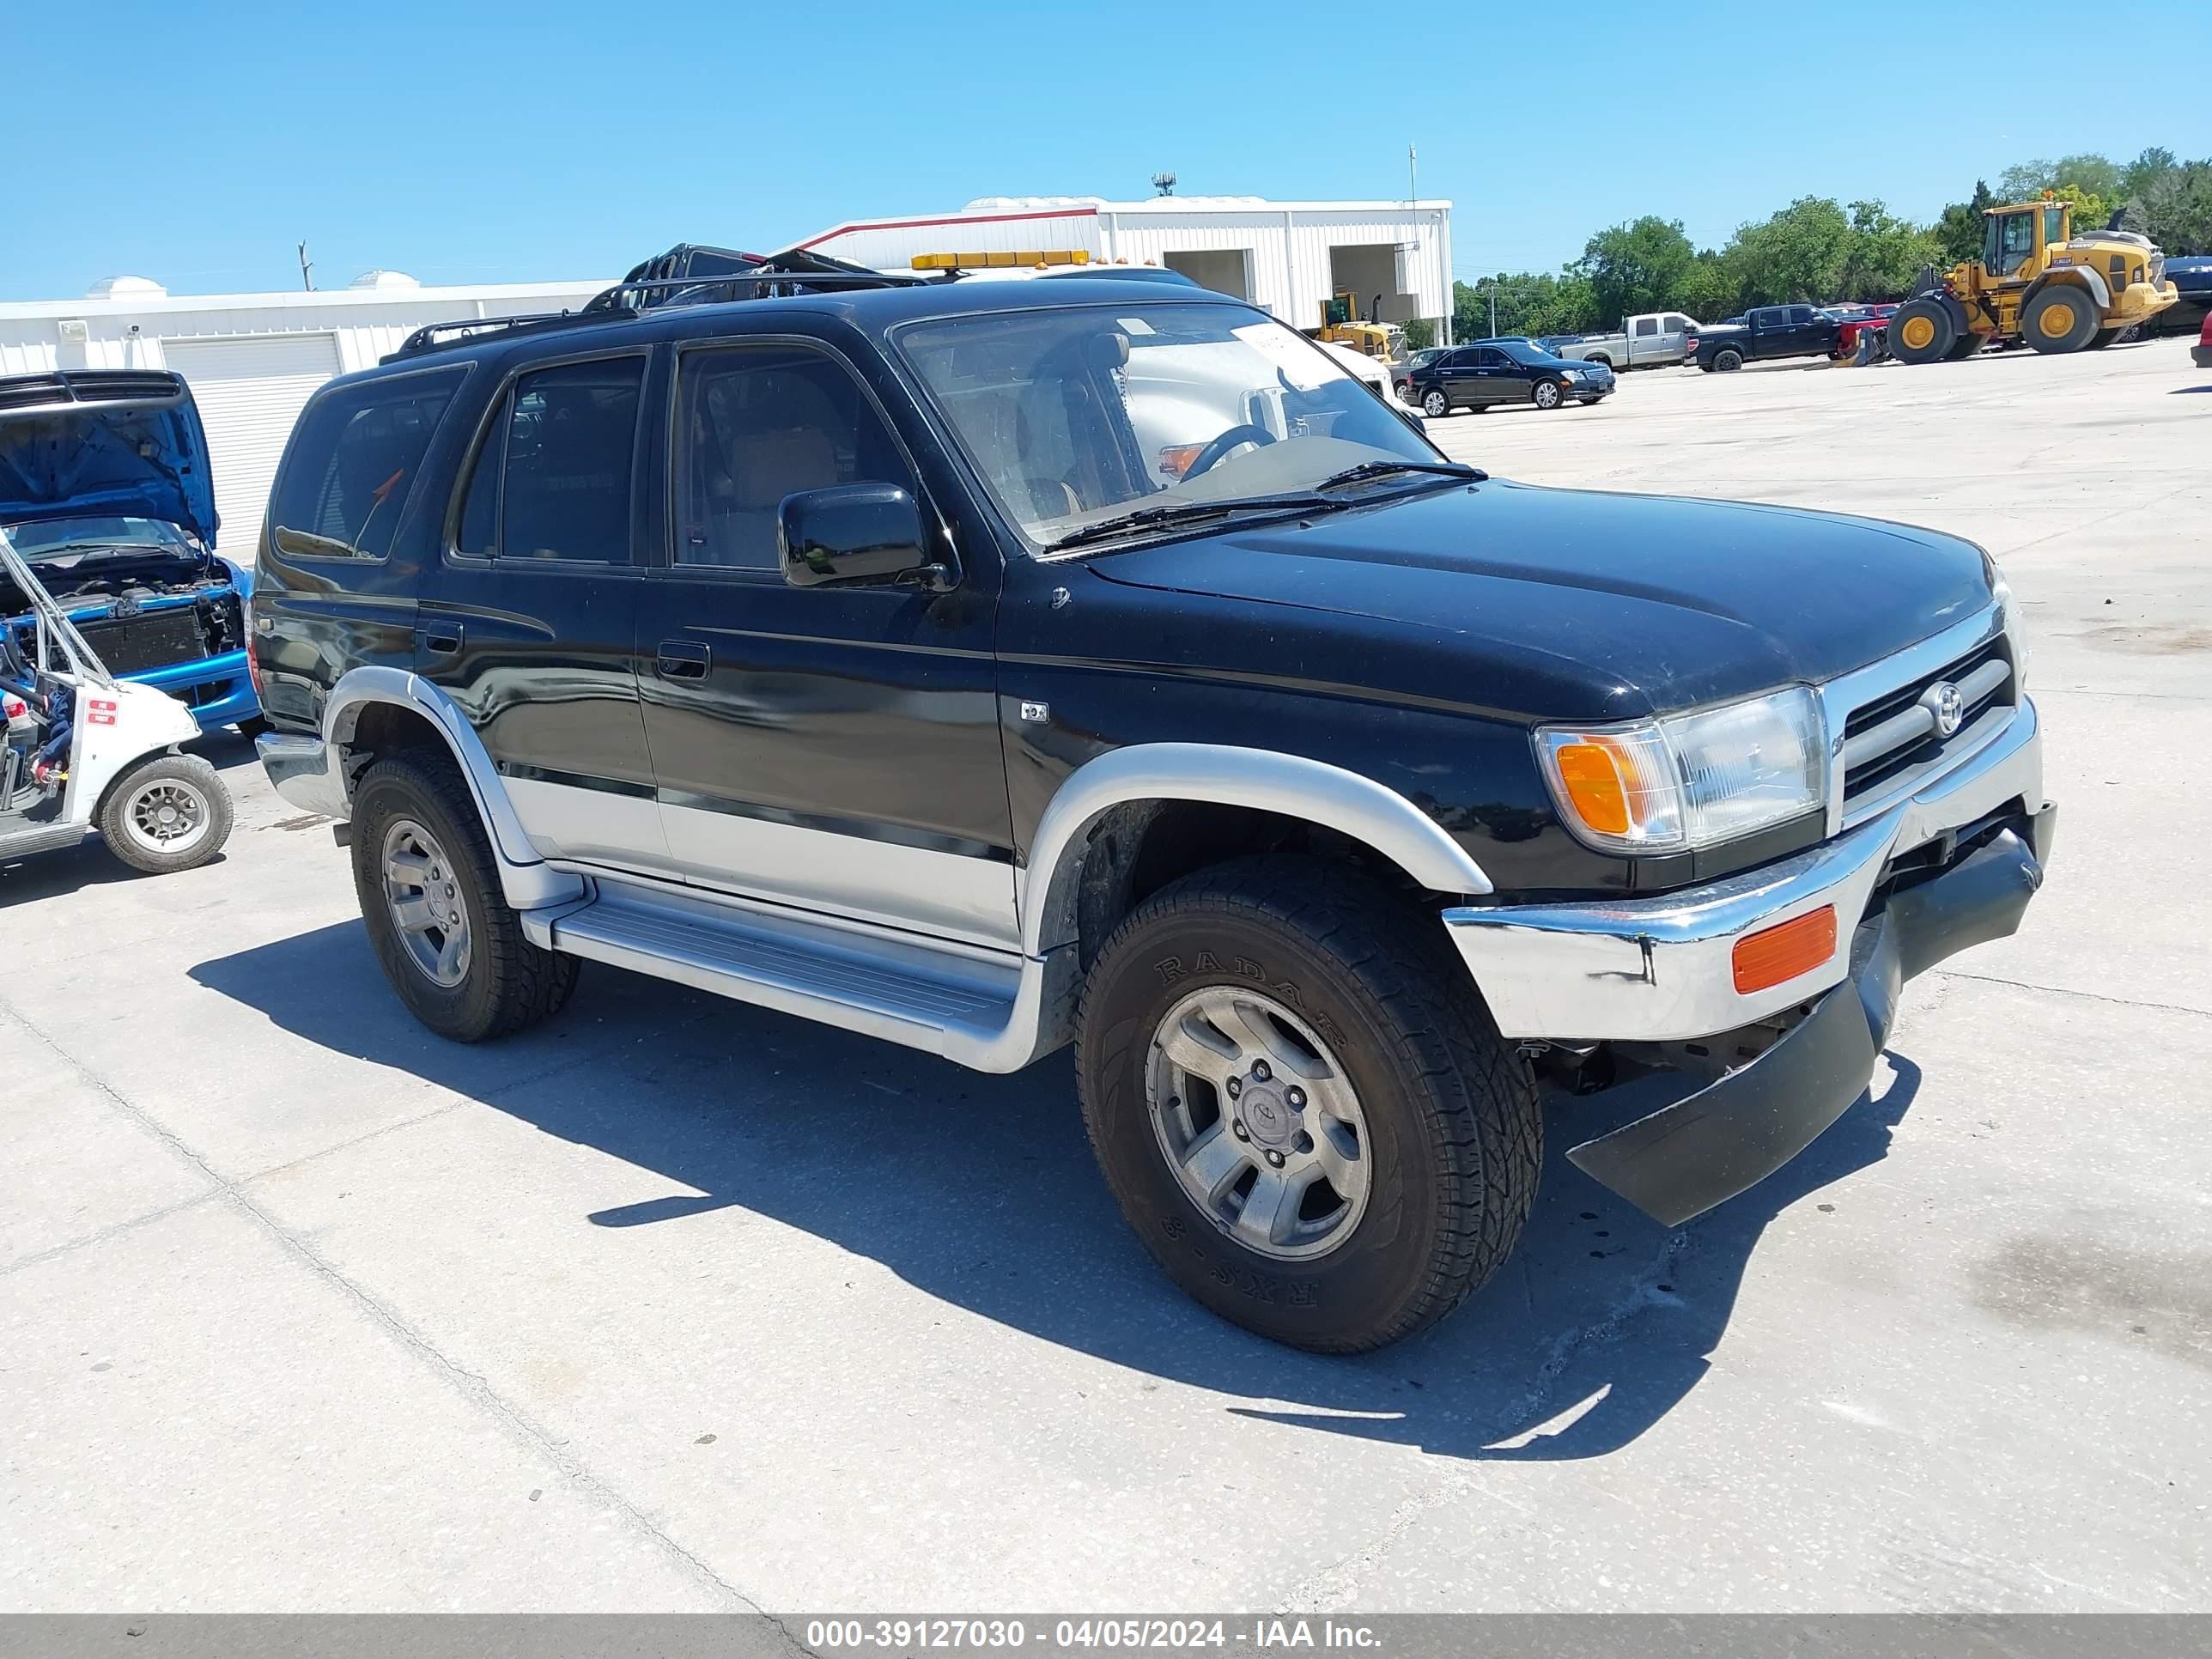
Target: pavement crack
(472,1387)
(2069,991)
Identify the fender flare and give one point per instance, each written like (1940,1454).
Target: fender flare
(527,881)
(1291,785)
(2090,277)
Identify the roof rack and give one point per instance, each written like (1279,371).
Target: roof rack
(688,274)
(437,337)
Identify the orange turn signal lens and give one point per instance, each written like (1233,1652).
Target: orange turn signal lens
(1784,950)
(1176,458)
(1601,779)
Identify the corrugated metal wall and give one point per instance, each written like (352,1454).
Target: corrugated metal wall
(1288,247)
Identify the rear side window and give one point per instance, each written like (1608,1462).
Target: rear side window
(1647,324)
(353,462)
(554,478)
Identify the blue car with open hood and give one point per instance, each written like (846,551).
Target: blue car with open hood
(106,492)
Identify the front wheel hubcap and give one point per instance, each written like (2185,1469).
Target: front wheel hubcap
(1259,1123)
(167,816)
(426,908)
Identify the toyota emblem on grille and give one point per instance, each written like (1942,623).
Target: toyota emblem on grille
(1943,701)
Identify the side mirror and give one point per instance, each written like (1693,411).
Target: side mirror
(855,532)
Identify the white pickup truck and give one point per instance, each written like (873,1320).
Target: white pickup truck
(1650,341)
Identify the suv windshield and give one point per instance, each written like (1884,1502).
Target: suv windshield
(45,537)
(1075,416)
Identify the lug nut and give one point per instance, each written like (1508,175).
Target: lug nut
(1275,1159)
(1260,1070)
(1305,1143)
(1235,1087)
(1238,1129)
(1297,1098)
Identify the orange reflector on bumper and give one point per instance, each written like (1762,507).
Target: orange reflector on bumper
(1784,950)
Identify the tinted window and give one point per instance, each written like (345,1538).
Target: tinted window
(353,462)
(2053,223)
(553,479)
(757,423)
(1490,357)
(1647,324)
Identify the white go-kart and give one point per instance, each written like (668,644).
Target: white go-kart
(122,774)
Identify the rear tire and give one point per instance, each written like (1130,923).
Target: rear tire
(1435,405)
(2105,337)
(1923,331)
(1359,997)
(413,812)
(2060,320)
(167,813)
(1728,360)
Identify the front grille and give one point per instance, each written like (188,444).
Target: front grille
(1890,742)
(131,645)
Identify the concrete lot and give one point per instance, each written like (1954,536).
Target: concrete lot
(676,1304)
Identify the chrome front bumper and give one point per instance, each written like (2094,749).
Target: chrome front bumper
(1660,970)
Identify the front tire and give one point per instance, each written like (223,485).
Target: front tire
(447,940)
(1546,394)
(167,813)
(1923,331)
(1284,1034)
(2060,320)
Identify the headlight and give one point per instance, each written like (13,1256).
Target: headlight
(1659,786)
(2009,611)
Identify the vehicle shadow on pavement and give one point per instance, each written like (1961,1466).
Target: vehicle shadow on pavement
(980,1191)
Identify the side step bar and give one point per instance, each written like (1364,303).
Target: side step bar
(992,1010)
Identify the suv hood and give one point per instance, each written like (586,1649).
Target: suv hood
(1614,603)
(88,442)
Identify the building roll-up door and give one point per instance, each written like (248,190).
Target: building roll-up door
(249,392)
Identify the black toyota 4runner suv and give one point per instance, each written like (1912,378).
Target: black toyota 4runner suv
(988,667)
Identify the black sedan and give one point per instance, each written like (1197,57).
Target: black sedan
(1487,373)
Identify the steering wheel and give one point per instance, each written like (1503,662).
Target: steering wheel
(1221,445)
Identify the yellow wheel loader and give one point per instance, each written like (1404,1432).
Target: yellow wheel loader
(1341,324)
(2036,282)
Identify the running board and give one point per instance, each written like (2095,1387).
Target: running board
(992,1011)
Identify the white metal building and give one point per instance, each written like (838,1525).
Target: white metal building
(1288,257)
(251,359)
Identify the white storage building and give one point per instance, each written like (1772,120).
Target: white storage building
(1288,257)
(251,359)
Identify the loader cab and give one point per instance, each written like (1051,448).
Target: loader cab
(2016,240)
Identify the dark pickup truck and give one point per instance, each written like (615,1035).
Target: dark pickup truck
(1765,331)
(991,667)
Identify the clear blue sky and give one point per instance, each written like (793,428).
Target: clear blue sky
(462,142)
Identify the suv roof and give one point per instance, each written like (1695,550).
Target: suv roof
(873,307)
(690,276)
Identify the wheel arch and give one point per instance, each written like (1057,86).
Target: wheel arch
(2076,277)
(1133,785)
(379,709)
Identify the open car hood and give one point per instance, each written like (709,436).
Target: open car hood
(88,442)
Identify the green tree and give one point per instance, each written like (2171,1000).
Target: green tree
(1636,267)
(1958,234)
(2175,209)
(1800,254)
(1884,255)
(1420,333)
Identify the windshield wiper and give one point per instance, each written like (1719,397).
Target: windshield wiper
(1171,513)
(1367,470)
